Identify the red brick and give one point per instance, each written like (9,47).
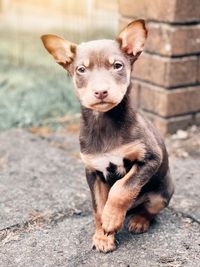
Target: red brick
(157,9)
(167,103)
(170,125)
(165,71)
(198,71)
(161,10)
(197,118)
(173,40)
(187,10)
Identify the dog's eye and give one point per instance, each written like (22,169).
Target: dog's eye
(117,65)
(81,69)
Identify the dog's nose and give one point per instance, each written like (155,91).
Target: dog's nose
(101,94)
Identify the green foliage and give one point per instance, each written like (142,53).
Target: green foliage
(29,96)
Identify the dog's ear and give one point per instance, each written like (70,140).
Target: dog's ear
(62,50)
(132,37)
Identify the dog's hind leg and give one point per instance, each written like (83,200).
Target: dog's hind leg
(140,222)
(153,204)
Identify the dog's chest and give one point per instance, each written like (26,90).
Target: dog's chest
(115,163)
(111,165)
(103,162)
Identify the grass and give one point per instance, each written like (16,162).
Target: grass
(31,95)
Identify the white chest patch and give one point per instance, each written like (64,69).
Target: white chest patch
(102,161)
(132,151)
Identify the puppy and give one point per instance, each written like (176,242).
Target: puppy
(125,158)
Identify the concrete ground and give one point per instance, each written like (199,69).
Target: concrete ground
(45,210)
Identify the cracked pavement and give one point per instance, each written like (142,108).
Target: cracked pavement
(45,210)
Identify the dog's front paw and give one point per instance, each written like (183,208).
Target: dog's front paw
(103,243)
(112,219)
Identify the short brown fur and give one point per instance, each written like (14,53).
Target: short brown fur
(101,241)
(125,157)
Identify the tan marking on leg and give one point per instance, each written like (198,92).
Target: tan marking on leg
(155,204)
(119,201)
(101,241)
(138,224)
(101,191)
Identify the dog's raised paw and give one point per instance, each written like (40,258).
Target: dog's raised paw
(103,243)
(112,220)
(138,224)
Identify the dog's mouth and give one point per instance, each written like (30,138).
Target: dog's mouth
(103,103)
(103,106)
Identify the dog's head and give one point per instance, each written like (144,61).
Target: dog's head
(100,69)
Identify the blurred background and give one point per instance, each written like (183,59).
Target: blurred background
(33,89)
(45,206)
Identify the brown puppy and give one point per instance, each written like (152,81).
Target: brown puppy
(125,158)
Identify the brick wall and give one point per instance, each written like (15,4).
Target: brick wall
(166,78)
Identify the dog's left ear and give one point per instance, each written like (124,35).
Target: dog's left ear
(132,37)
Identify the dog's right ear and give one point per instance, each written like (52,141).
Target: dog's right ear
(62,50)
